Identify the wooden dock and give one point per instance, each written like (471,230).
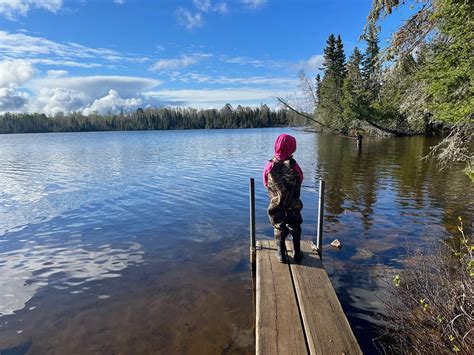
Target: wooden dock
(297,309)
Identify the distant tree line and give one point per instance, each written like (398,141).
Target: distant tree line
(163,118)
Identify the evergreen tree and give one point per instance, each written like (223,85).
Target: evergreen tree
(330,89)
(353,91)
(340,61)
(371,65)
(318,88)
(398,84)
(329,64)
(449,68)
(149,119)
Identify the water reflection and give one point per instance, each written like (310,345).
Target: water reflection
(137,241)
(379,202)
(25,270)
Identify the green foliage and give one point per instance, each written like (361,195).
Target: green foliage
(448,71)
(397,94)
(371,66)
(329,91)
(353,91)
(437,92)
(150,119)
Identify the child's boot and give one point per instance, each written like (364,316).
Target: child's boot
(297,254)
(281,251)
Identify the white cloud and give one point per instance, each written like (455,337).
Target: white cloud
(248,80)
(313,63)
(119,2)
(217,97)
(12,8)
(11,99)
(254,80)
(189,19)
(56,73)
(97,86)
(221,8)
(202,5)
(15,72)
(112,102)
(258,63)
(43,51)
(54,100)
(178,63)
(253,4)
(56,93)
(65,63)
(195,19)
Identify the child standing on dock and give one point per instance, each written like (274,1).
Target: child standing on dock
(282,177)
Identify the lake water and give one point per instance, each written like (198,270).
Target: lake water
(137,242)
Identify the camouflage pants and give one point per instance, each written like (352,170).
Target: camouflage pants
(286,220)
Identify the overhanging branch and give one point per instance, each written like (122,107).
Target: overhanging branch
(288,106)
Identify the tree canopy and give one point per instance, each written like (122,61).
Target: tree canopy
(151,119)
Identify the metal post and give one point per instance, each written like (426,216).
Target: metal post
(252,221)
(319,245)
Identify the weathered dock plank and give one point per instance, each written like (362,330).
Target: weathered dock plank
(325,324)
(278,324)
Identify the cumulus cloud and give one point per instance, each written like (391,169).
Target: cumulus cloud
(189,19)
(15,72)
(12,8)
(57,93)
(54,100)
(112,102)
(12,99)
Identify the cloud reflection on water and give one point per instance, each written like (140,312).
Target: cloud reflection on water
(24,271)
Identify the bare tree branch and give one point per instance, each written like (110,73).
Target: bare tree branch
(307,87)
(291,108)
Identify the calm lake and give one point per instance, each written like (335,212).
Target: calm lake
(137,242)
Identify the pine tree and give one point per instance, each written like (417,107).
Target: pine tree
(329,64)
(340,61)
(353,91)
(318,88)
(330,89)
(371,65)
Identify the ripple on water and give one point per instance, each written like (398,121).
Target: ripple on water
(77,211)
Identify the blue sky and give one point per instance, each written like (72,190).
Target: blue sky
(104,55)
